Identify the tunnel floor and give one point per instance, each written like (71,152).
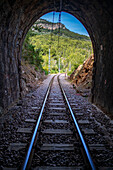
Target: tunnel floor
(18,123)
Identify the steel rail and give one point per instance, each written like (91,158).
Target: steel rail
(36,128)
(78,129)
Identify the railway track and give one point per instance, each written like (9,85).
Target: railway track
(58,149)
(57,140)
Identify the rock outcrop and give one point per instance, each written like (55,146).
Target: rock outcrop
(49,25)
(82,77)
(30,78)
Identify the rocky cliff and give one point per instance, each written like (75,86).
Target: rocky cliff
(49,26)
(43,26)
(82,77)
(30,78)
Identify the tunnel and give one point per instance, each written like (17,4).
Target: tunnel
(16,18)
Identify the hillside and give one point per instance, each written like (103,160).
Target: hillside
(42,26)
(71,49)
(30,77)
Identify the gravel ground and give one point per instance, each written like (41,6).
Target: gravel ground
(57,157)
(98,121)
(52,159)
(28,108)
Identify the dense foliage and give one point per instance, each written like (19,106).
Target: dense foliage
(30,54)
(71,51)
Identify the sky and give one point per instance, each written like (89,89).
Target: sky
(68,20)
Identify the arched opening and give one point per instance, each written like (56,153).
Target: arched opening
(52,46)
(97,18)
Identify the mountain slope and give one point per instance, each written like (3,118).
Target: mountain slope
(42,26)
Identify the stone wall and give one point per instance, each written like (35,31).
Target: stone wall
(9,51)
(17,16)
(102,91)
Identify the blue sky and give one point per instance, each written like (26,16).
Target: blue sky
(68,20)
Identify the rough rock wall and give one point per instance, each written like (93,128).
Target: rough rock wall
(17,16)
(30,78)
(50,27)
(102,88)
(82,77)
(9,50)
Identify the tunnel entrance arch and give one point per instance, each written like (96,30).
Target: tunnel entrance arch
(18,16)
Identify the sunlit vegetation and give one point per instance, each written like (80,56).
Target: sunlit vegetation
(72,50)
